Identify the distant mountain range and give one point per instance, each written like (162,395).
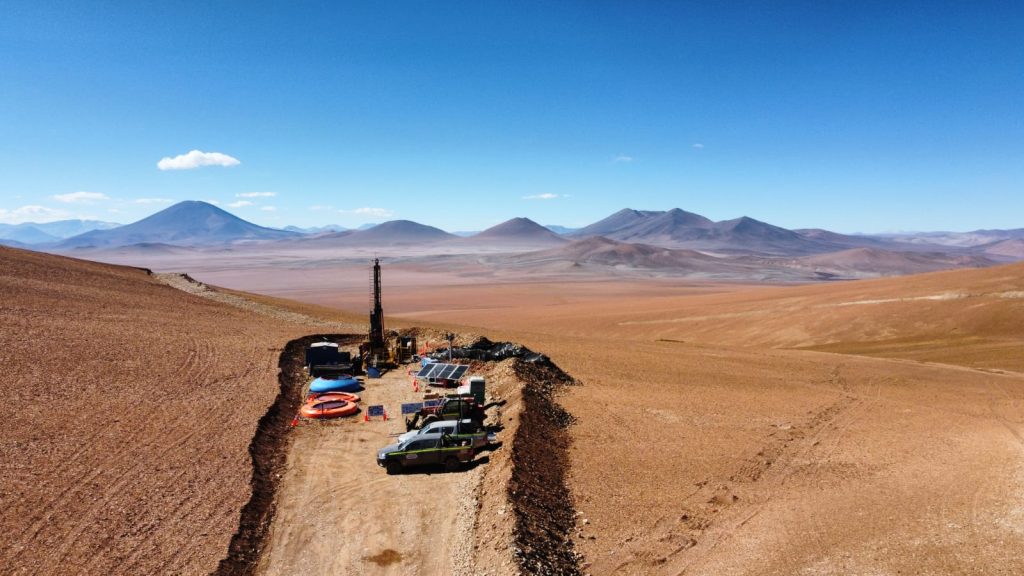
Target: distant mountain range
(189,223)
(393,233)
(49,232)
(680,229)
(518,232)
(669,242)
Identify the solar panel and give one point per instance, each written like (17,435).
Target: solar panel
(412,407)
(434,372)
(427,370)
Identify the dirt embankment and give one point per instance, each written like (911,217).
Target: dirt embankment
(269,452)
(538,490)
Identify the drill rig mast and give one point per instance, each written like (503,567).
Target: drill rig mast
(376,339)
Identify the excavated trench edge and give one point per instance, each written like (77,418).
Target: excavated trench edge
(538,490)
(269,452)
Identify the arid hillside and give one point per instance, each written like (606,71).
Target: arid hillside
(703,446)
(968,317)
(128,408)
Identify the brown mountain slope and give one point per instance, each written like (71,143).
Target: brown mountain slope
(517,232)
(128,408)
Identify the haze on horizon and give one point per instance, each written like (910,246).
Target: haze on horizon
(864,118)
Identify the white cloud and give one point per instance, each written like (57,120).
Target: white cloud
(240,204)
(371,212)
(152,201)
(256,195)
(32,213)
(698,146)
(269,208)
(195,159)
(544,196)
(622,158)
(83,197)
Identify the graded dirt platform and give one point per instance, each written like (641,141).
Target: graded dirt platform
(339,513)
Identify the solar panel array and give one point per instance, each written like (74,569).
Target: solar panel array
(435,372)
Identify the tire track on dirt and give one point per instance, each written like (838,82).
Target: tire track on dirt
(85,519)
(183,429)
(113,491)
(81,482)
(718,517)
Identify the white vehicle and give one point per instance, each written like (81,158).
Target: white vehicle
(441,427)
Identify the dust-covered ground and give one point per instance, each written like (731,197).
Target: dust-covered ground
(861,427)
(128,412)
(704,446)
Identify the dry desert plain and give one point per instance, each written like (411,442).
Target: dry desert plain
(860,427)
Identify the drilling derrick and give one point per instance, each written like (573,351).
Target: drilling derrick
(376,339)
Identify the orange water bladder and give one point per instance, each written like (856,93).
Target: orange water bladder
(325,396)
(318,408)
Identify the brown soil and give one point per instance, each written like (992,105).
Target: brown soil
(703,447)
(128,409)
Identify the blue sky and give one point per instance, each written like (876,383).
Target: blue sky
(853,116)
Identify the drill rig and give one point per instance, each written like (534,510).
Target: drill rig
(375,349)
